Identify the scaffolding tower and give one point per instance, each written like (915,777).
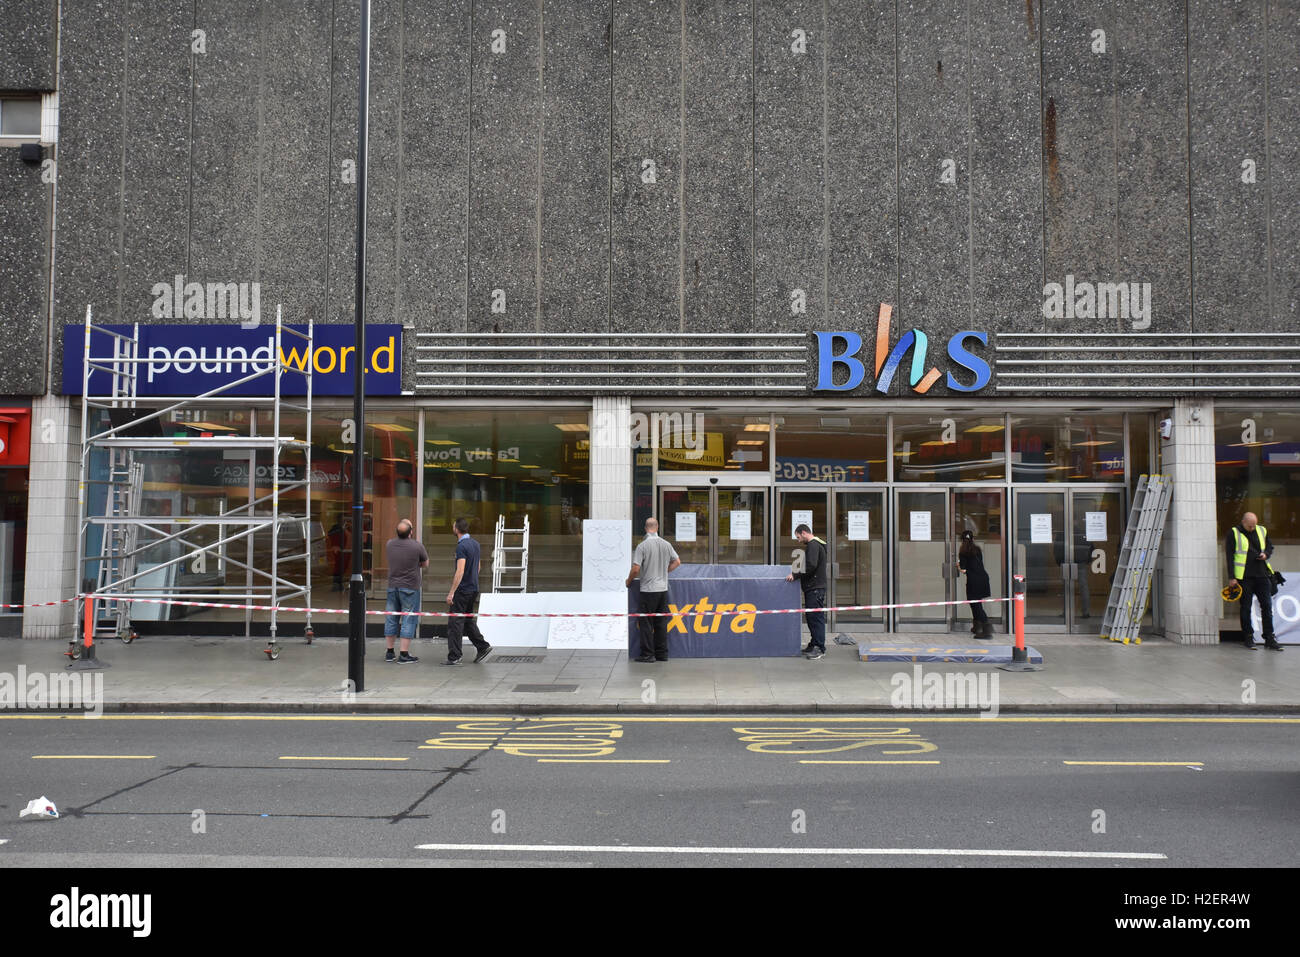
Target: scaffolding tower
(126,532)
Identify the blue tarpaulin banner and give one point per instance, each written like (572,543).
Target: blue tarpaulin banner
(711,589)
(193,359)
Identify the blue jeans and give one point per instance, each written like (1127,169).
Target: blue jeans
(402,599)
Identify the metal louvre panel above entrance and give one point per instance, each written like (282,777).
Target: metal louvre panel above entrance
(1136,364)
(628,364)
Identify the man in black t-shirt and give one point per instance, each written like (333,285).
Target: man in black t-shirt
(813,582)
(463,595)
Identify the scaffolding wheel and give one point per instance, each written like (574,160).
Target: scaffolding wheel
(73,652)
(128,636)
(272,651)
(309,634)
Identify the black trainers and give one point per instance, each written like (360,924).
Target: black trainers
(483,654)
(806,648)
(406,659)
(815,653)
(452,661)
(1272,646)
(1250,646)
(390,655)
(645,659)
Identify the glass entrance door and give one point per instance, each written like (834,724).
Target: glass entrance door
(982,512)
(711,526)
(1039,553)
(858,556)
(923,558)
(928,524)
(852,523)
(1066,545)
(1097,520)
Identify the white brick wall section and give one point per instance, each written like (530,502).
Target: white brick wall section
(611,458)
(52,518)
(1190,544)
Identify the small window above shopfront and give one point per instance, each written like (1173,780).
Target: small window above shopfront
(949,448)
(1084,447)
(702,442)
(831,447)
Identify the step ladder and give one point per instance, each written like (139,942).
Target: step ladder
(503,554)
(117,550)
(1131,588)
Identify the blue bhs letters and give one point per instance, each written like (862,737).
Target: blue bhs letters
(827,358)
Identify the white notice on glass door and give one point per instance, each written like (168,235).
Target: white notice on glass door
(1094,525)
(859,526)
(799,517)
(685,527)
(920,526)
(1040,528)
(740,526)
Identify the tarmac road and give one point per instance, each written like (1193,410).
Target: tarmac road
(747,791)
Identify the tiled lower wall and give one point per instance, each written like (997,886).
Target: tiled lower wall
(52,517)
(1191,555)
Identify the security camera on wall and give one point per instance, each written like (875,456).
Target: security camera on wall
(1166,428)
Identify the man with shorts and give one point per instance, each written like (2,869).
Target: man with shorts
(406,557)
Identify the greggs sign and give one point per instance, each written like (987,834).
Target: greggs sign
(888,360)
(188,360)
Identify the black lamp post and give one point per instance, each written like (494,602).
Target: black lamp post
(357,587)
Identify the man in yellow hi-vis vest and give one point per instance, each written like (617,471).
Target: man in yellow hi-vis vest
(1248,553)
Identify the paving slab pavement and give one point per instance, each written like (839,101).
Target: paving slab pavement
(1080,674)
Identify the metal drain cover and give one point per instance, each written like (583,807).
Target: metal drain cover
(518,659)
(544,688)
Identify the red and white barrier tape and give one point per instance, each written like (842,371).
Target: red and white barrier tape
(44,604)
(506,614)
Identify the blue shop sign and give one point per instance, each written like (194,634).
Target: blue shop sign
(189,360)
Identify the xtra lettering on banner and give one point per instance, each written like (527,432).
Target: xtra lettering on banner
(1286,612)
(726,596)
(188,360)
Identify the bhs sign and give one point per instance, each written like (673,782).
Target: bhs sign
(888,361)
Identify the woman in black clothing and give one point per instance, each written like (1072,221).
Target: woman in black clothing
(970,559)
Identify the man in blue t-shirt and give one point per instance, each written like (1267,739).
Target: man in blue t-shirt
(463,596)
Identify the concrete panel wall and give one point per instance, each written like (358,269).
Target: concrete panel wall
(28,41)
(577,84)
(945,157)
(505,134)
(1230,175)
(718,132)
(791,46)
(646,220)
(934,175)
(24,276)
(1282,96)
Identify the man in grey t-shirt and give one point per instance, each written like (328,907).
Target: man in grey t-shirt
(406,557)
(653,560)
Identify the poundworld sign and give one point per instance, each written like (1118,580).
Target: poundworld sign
(188,360)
